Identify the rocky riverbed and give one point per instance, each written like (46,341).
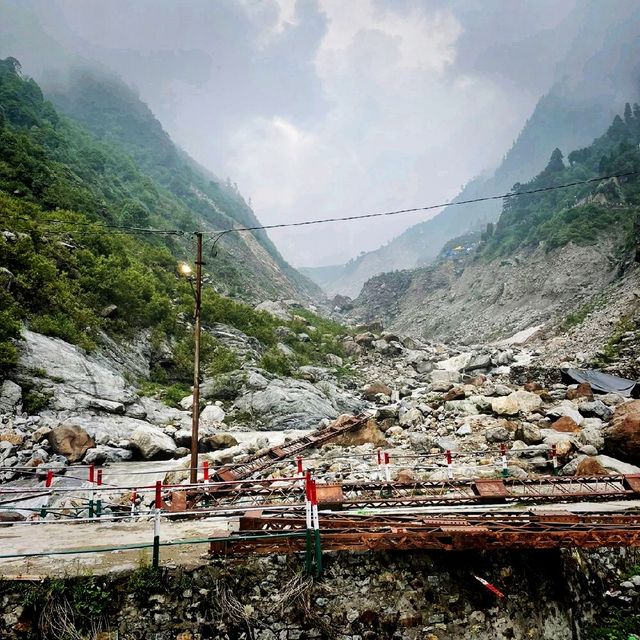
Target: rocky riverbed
(423,398)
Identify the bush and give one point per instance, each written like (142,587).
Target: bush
(276,362)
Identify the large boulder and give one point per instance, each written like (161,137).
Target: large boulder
(152,443)
(70,441)
(368,433)
(217,442)
(287,403)
(622,436)
(516,402)
(10,396)
(211,415)
(617,466)
(374,388)
(102,454)
(84,378)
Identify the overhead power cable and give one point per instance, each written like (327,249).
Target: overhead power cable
(218,234)
(511,194)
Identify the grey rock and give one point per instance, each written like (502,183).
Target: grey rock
(479,361)
(462,407)
(571,467)
(464,430)
(246,346)
(296,404)
(617,466)
(10,396)
(256,381)
(497,434)
(333,360)
(529,433)
(444,376)
(152,443)
(502,390)
(285,350)
(275,308)
(85,379)
(566,409)
(597,409)
(447,444)
(411,417)
(102,454)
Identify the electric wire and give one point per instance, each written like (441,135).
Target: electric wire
(114,228)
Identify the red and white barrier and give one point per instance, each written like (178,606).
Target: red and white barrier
(489,586)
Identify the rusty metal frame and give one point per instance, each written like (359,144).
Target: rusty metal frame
(265,459)
(522,530)
(379,494)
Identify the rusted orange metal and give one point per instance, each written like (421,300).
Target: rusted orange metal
(511,531)
(265,459)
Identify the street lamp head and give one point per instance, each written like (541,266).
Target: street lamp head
(184,269)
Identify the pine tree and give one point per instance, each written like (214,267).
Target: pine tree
(555,162)
(628,116)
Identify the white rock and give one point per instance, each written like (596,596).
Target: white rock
(518,401)
(211,414)
(187,402)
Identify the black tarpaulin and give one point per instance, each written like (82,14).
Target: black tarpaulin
(603,382)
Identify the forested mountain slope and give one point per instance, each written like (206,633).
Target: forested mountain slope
(67,270)
(548,255)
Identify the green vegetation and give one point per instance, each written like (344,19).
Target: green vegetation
(611,349)
(581,214)
(617,625)
(68,277)
(276,362)
(579,316)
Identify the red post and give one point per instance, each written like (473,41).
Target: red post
(91,474)
(299,462)
(134,498)
(379,457)
(449,464)
(99,477)
(49,478)
(387,470)
(158,494)
(205,466)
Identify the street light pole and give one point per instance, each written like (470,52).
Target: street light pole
(195,412)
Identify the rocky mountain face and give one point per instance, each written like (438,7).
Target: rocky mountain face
(476,301)
(549,257)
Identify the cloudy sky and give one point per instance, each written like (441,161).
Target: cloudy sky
(319,107)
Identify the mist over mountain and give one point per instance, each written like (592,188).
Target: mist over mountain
(596,77)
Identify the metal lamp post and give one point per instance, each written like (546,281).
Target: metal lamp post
(195,411)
